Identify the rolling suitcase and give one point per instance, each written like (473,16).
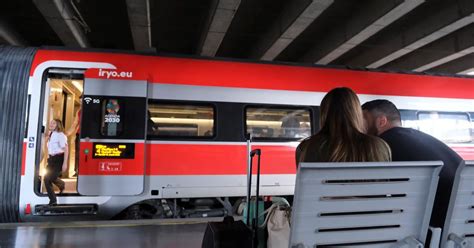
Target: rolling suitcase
(227,234)
(235,234)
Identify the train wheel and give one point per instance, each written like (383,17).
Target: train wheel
(138,212)
(238,207)
(133,213)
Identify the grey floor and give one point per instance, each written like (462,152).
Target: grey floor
(145,233)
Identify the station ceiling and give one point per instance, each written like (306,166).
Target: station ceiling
(434,36)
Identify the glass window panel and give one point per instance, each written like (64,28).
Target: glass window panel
(27,115)
(447,127)
(176,120)
(278,123)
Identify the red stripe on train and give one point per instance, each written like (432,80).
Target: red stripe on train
(266,76)
(178,159)
(466,152)
(192,159)
(197,159)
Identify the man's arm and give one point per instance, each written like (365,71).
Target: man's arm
(66,155)
(72,130)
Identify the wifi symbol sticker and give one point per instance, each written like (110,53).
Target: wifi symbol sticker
(87,100)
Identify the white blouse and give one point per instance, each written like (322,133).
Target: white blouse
(57,143)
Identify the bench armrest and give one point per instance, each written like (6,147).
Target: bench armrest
(435,237)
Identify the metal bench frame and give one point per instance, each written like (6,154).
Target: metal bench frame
(373,204)
(453,232)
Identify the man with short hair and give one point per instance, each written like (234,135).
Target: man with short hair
(383,119)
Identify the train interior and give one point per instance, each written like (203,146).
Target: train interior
(62,100)
(276,123)
(180,120)
(197,120)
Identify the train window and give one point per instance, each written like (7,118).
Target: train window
(447,127)
(180,120)
(113,117)
(112,124)
(27,114)
(278,123)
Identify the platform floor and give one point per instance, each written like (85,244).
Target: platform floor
(143,233)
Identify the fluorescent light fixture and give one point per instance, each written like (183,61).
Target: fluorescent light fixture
(78,85)
(469,72)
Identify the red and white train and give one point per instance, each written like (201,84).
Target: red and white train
(165,136)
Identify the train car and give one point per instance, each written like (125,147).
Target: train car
(164,137)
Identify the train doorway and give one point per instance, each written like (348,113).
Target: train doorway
(62,100)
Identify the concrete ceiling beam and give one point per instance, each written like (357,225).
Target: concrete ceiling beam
(448,48)
(8,34)
(293,21)
(140,24)
(461,65)
(451,17)
(359,28)
(221,16)
(423,41)
(60,16)
(446,59)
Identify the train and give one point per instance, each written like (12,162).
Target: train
(165,136)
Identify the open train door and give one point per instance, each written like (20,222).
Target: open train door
(113,132)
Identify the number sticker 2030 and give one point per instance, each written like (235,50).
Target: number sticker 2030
(112,119)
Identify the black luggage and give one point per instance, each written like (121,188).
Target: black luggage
(227,234)
(230,233)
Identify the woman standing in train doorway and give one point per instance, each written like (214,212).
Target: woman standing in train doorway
(57,160)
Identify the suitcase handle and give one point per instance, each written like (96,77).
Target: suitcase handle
(249,172)
(257,152)
(254,224)
(252,154)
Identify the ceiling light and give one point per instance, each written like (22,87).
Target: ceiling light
(78,85)
(469,72)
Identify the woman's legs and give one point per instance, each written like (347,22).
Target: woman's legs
(60,183)
(49,186)
(54,170)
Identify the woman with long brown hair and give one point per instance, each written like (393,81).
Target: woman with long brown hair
(342,135)
(57,160)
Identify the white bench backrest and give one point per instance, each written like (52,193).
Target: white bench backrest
(460,216)
(372,204)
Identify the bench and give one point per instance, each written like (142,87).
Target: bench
(374,204)
(458,230)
